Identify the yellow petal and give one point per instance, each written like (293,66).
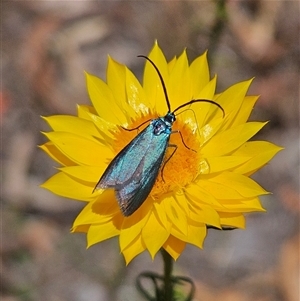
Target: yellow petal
(236,220)
(154,242)
(115,77)
(171,64)
(56,154)
(135,248)
(182,201)
(203,214)
(229,185)
(72,124)
(80,229)
(260,151)
(106,129)
(101,232)
(159,210)
(135,95)
(99,211)
(207,92)
(196,191)
(174,246)
(226,142)
(103,100)
(217,164)
(89,113)
(196,234)
(245,110)
(175,214)
(219,191)
(63,185)
(79,149)
(151,82)
(232,99)
(199,74)
(179,78)
(132,227)
(206,132)
(243,205)
(82,111)
(202,109)
(89,174)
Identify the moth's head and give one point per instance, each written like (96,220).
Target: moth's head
(170,118)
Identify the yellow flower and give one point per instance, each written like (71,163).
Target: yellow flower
(207,186)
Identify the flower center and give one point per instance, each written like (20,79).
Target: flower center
(180,165)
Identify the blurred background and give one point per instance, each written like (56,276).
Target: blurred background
(46,46)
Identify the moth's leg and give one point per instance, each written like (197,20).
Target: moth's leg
(177,131)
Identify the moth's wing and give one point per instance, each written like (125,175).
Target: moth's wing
(124,165)
(134,192)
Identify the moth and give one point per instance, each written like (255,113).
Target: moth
(134,170)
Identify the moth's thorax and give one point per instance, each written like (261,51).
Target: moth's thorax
(163,124)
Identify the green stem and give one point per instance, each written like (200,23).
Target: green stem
(168,268)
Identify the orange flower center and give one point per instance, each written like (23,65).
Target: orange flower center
(179,168)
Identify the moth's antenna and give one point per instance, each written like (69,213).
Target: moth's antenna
(161,80)
(201,100)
